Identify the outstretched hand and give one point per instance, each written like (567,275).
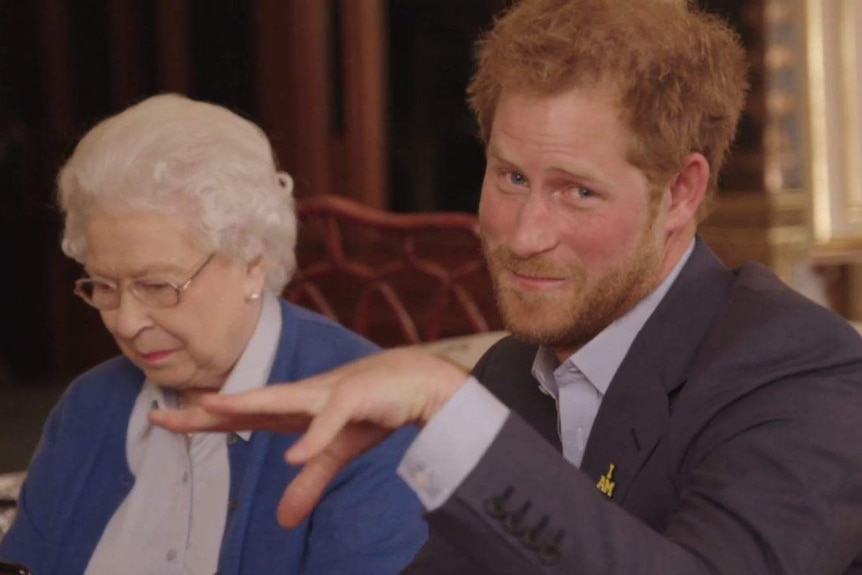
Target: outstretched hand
(342,413)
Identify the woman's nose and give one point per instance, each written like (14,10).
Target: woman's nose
(129,318)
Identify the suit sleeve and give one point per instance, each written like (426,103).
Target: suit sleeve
(771,486)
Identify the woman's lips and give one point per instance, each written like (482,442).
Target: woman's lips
(156,356)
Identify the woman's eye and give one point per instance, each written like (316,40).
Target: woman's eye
(152,287)
(103,288)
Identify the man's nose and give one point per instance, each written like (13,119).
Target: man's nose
(535,229)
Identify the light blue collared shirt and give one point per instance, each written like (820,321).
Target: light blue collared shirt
(579,384)
(174,518)
(453,442)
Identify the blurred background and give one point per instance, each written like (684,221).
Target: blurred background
(365,99)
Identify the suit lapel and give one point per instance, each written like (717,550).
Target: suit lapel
(635,411)
(630,421)
(505,371)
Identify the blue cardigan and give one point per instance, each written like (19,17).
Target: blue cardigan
(368,521)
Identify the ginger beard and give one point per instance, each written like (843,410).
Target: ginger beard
(568,319)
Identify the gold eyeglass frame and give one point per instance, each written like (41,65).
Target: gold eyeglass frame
(179,288)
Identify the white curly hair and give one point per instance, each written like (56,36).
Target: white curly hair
(200,161)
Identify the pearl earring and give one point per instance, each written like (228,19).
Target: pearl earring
(253,296)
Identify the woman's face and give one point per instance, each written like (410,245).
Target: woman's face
(195,344)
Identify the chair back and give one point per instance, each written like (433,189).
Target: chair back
(397,279)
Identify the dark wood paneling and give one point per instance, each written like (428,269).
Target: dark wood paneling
(294,88)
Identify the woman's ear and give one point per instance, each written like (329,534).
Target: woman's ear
(255,273)
(687,192)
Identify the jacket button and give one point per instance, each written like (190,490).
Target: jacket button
(532,539)
(516,523)
(496,506)
(550,554)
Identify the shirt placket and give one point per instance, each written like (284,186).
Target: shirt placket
(175,555)
(577,407)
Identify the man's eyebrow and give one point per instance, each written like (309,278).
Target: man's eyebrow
(571,171)
(577,172)
(497,154)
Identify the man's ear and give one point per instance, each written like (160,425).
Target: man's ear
(687,191)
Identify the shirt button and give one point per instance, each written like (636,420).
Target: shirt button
(186,477)
(172,554)
(232,438)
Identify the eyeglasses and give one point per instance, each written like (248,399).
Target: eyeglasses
(105,295)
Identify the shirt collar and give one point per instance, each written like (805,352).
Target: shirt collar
(602,356)
(251,370)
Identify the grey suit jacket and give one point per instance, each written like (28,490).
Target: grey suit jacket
(734,428)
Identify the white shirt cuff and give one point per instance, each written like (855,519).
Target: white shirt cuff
(452,443)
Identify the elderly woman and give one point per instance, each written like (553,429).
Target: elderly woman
(186,232)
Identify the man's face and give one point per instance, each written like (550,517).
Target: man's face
(571,231)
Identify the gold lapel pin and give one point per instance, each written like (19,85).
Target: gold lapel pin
(606,483)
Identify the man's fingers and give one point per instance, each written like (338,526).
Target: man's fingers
(307,488)
(186,420)
(306,397)
(198,419)
(282,408)
(321,432)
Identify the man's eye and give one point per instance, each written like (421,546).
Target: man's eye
(575,195)
(517,178)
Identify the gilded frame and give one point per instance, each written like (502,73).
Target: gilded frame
(833,32)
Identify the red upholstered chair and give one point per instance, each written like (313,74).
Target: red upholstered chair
(394,278)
